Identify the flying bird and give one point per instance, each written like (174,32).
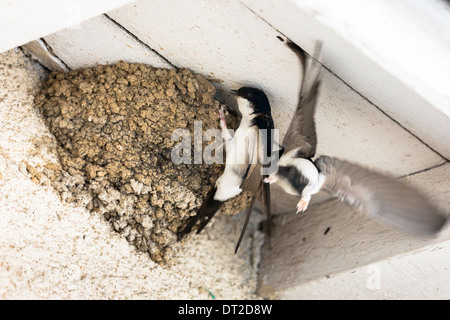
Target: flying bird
(247,153)
(382,198)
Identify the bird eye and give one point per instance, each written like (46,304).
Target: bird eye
(249,95)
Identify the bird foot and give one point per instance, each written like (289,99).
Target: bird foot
(302,205)
(223,124)
(271,179)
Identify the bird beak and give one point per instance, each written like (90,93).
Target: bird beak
(234,92)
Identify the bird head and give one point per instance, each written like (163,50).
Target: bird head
(252,100)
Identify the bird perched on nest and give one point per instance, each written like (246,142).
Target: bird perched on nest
(247,153)
(384,199)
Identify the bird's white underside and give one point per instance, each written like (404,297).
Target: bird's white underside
(239,150)
(308,170)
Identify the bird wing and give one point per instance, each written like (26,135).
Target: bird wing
(385,199)
(259,146)
(302,131)
(251,180)
(244,228)
(246,167)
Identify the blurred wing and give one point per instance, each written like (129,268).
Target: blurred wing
(302,131)
(384,199)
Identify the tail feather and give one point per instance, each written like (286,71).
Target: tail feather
(267,205)
(244,228)
(206,212)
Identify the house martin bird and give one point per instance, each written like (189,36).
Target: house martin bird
(382,198)
(247,153)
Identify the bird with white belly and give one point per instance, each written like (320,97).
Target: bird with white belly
(247,153)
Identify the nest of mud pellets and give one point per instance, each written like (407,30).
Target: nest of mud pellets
(113,125)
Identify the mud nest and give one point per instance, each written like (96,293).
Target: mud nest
(113,126)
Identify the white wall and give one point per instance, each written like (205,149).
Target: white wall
(394,53)
(25,20)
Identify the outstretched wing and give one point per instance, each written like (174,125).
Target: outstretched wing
(302,131)
(385,199)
